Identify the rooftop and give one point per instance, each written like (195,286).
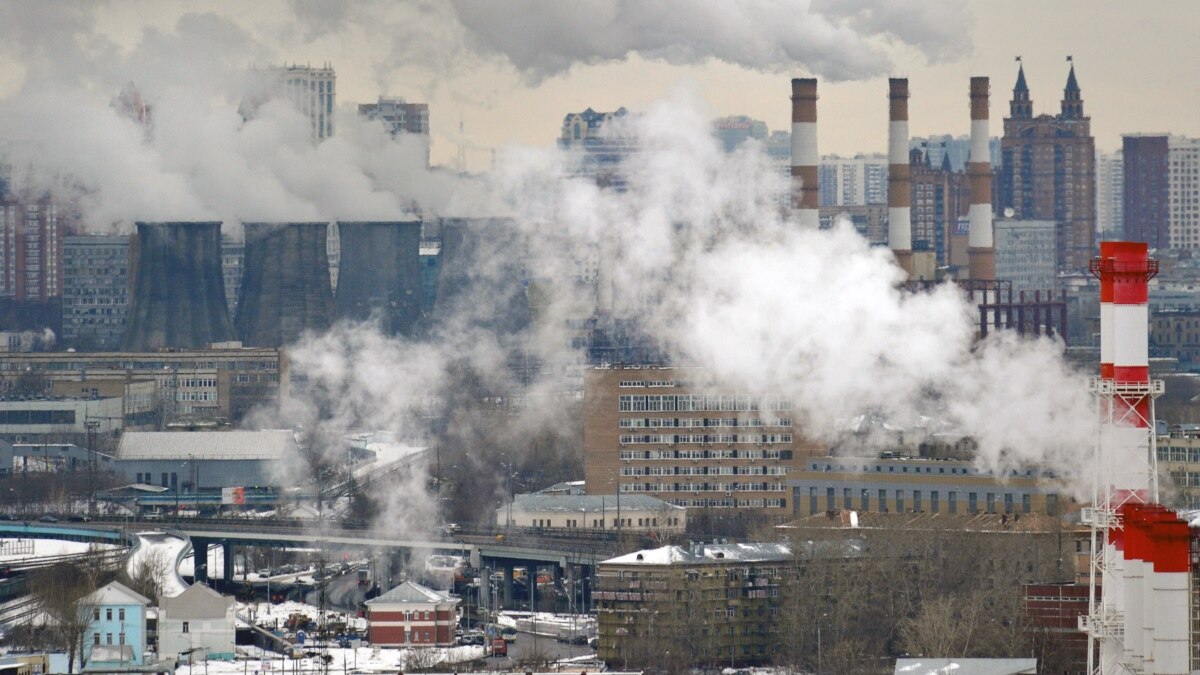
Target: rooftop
(275,444)
(410,591)
(587,503)
(978,522)
(705,553)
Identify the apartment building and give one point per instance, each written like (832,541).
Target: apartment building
(665,432)
(707,603)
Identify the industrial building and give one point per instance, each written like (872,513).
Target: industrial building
(733,594)
(635,513)
(285,291)
(903,484)
(206,461)
(61,419)
(1025,254)
(660,431)
(225,382)
(380,274)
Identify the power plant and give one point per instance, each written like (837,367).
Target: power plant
(899,212)
(179,292)
(285,284)
(805,175)
(380,274)
(980,248)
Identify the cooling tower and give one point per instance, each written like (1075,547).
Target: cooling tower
(481,284)
(285,284)
(380,273)
(179,292)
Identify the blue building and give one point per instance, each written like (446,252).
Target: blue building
(118,628)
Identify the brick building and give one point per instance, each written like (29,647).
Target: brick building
(1145,176)
(661,431)
(1048,170)
(411,615)
(709,604)
(940,198)
(31,239)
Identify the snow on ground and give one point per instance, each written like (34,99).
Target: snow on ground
(546,623)
(216,563)
(270,616)
(361,660)
(166,545)
(23,550)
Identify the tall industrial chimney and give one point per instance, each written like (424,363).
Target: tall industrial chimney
(805,183)
(380,273)
(179,289)
(981,253)
(285,286)
(899,214)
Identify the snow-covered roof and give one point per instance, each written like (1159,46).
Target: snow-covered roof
(197,602)
(965,666)
(116,593)
(410,591)
(272,444)
(705,553)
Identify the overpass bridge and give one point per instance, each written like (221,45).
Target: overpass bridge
(565,552)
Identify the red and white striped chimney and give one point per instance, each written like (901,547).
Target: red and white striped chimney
(1169,550)
(805,183)
(981,255)
(1133,582)
(899,214)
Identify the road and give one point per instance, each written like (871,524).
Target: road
(539,646)
(341,593)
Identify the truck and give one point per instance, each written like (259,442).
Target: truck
(364,577)
(499,647)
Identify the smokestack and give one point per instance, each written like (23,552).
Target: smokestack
(179,289)
(380,274)
(1169,545)
(899,214)
(805,184)
(980,251)
(285,286)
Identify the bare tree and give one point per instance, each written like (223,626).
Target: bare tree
(65,594)
(149,575)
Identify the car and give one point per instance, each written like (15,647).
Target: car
(78,518)
(48,519)
(264,573)
(499,647)
(6,516)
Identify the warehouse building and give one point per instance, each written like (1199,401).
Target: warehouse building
(206,461)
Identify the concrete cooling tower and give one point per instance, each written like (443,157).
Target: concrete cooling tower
(285,286)
(481,283)
(179,292)
(380,274)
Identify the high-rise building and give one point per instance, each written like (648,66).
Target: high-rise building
(853,181)
(1145,173)
(400,117)
(31,235)
(1110,194)
(1025,254)
(736,129)
(95,291)
(311,90)
(1183,191)
(604,145)
(940,198)
(1048,170)
(957,148)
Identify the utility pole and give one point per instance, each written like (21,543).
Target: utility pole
(91,426)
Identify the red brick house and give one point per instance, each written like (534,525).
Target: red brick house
(411,615)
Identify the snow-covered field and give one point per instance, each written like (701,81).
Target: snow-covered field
(545,623)
(361,660)
(21,550)
(270,616)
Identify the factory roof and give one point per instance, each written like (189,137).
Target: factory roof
(961,522)
(587,503)
(275,444)
(705,553)
(965,666)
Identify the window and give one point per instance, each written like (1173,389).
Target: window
(883,501)
(121,637)
(95,638)
(991,502)
(972,502)
(847,501)
(1026,503)
(830,502)
(916,500)
(96,614)
(933,501)
(185,626)
(121,614)
(108,615)
(899,501)
(812,500)
(108,638)
(952,500)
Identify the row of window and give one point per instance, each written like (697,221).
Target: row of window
(677,439)
(704,470)
(730,503)
(647,383)
(702,487)
(898,500)
(627,455)
(700,403)
(688,422)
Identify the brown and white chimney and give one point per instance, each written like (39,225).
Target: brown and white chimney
(899,213)
(981,253)
(805,184)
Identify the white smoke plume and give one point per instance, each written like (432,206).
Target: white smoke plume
(832,39)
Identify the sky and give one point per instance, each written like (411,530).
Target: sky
(509,72)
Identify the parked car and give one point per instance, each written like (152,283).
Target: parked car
(48,519)
(6,516)
(499,647)
(78,518)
